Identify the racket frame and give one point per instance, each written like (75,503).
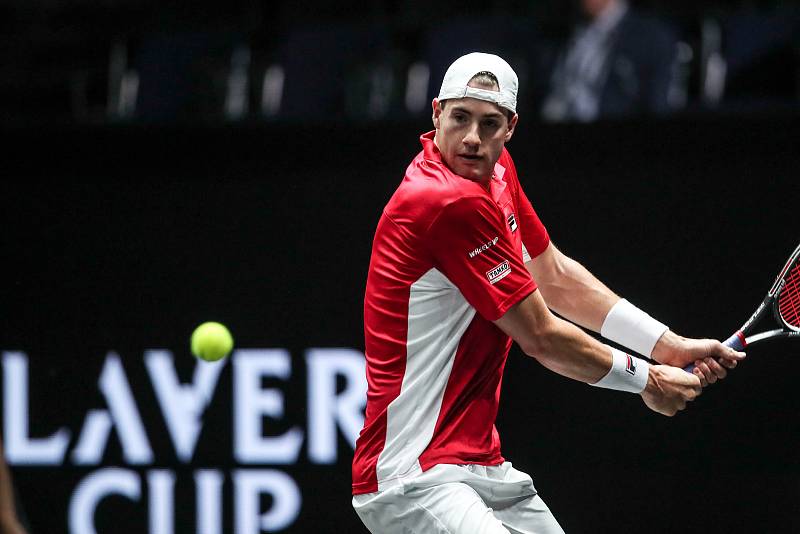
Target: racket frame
(740,339)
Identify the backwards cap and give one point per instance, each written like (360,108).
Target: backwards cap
(454,84)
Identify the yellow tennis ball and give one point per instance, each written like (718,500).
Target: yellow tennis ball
(211,341)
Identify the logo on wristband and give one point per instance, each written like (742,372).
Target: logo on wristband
(630,366)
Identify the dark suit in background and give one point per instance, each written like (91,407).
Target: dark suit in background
(619,63)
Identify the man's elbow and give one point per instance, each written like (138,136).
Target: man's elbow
(538,344)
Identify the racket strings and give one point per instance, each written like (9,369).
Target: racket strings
(789,298)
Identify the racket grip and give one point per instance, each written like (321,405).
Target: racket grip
(736,342)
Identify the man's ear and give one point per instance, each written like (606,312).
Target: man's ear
(511,125)
(437,112)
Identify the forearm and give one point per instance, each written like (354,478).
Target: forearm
(573,292)
(570,352)
(570,290)
(580,297)
(558,345)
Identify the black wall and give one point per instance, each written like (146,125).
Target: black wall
(123,238)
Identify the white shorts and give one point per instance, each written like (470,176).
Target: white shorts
(459,499)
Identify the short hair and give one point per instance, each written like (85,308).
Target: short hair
(487,80)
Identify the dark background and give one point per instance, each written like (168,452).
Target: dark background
(124,228)
(124,238)
(68,60)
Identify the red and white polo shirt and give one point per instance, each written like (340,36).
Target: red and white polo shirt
(447,260)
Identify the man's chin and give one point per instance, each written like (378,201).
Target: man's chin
(475,174)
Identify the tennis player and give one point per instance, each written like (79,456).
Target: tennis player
(461,265)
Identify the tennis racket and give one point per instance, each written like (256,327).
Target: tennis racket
(784,301)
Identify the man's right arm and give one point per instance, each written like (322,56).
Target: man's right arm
(565,349)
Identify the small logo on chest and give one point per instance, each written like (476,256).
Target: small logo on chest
(512,223)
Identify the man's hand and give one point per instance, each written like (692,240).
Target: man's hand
(711,358)
(669,388)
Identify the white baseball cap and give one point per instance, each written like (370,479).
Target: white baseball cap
(454,84)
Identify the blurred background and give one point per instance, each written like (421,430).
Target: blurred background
(91,61)
(169,163)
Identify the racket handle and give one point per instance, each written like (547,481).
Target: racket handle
(736,342)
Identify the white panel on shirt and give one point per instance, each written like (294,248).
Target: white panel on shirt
(526,257)
(438,315)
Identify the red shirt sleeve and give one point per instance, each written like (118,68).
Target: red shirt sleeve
(534,234)
(473,247)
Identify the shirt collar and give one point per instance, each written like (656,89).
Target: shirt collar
(429,148)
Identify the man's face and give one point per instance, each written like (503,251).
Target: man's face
(470,134)
(593,8)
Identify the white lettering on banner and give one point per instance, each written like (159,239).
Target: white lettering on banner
(182,404)
(160,491)
(91,443)
(93,489)
(326,408)
(209,501)
(20,447)
(333,409)
(250,485)
(123,414)
(251,404)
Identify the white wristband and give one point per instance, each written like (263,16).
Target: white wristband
(627,373)
(632,328)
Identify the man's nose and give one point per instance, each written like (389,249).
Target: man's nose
(472,136)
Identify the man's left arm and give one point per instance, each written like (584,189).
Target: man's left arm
(573,292)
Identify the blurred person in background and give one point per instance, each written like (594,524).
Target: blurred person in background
(616,63)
